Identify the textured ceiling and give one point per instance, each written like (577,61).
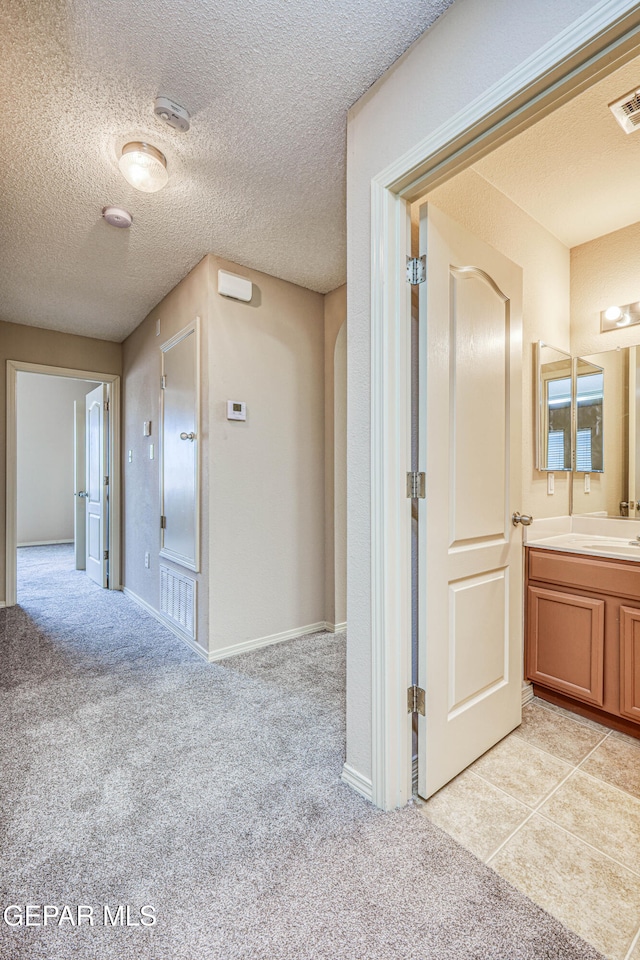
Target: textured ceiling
(259,178)
(575,172)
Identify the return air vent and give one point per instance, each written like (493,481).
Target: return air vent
(626,110)
(178,600)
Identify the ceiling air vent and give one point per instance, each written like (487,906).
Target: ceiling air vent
(626,110)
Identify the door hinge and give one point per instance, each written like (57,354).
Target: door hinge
(106,405)
(105,555)
(416,485)
(415,700)
(106,481)
(163,523)
(163,382)
(416,269)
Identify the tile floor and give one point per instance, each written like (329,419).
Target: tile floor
(555,809)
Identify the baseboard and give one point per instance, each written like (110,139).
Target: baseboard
(42,543)
(246,645)
(527,693)
(357,782)
(336,627)
(165,622)
(2,604)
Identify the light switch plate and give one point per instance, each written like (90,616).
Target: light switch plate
(151,452)
(130,456)
(146,428)
(587,483)
(236,410)
(551,483)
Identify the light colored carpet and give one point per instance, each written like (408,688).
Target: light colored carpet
(135,773)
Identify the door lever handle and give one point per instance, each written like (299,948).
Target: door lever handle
(522,518)
(187,436)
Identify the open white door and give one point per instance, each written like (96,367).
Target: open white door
(470,554)
(97,488)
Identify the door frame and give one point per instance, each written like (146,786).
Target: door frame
(18,366)
(593,46)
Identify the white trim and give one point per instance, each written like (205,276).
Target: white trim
(336,627)
(43,543)
(527,693)
(356,781)
(2,604)
(113,382)
(245,645)
(175,630)
(553,72)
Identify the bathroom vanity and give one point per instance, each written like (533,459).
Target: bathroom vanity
(582,620)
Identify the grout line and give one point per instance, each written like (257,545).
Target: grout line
(514,733)
(607,783)
(559,826)
(548,797)
(634,943)
(576,718)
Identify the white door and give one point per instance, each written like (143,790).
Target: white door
(79,479)
(96,488)
(470,554)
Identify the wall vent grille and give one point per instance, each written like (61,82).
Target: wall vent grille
(178,599)
(626,110)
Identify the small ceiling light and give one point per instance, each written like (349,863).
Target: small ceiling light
(143,166)
(624,321)
(117,217)
(613,313)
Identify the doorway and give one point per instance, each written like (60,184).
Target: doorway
(49,501)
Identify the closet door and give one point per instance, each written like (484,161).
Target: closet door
(179,448)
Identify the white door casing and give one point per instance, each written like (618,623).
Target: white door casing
(79,479)
(470,554)
(97,459)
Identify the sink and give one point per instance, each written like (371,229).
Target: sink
(617,546)
(620,548)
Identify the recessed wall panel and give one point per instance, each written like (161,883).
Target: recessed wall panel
(478,411)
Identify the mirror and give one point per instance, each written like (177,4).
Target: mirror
(553,408)
(604,482)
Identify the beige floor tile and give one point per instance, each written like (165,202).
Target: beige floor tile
(475,813)
(600,814)
(556,734)
(617,761)
(634,741)
(570,715)
(585,890)
(521,770)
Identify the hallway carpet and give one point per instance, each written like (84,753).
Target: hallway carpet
(133,773)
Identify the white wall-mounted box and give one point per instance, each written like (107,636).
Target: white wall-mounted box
(238,288)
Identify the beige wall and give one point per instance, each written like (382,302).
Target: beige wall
(335,414)
(141,477)
(605,272)
(46,456)
(34,345)
(266,493)
(487,213)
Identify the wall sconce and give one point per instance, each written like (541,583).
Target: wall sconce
(143,166)
(617,317)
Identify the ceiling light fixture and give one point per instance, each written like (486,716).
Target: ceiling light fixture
(614,317)
(143,166)
(613,313)
(117,217)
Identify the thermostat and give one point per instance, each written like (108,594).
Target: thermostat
(236,410)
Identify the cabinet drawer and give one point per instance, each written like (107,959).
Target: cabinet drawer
(630,663)
(618,578)
(565,644)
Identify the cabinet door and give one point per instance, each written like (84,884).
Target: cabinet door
(565,643)
(630,663)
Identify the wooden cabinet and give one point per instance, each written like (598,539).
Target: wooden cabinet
(582,646)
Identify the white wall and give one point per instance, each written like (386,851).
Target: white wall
(474,45)
(45,456)
(340,476)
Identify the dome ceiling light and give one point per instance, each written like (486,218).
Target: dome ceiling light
(143,166)
(117,217)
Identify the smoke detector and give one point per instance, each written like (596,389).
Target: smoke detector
(117,217)
(626,110)
(172,113)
